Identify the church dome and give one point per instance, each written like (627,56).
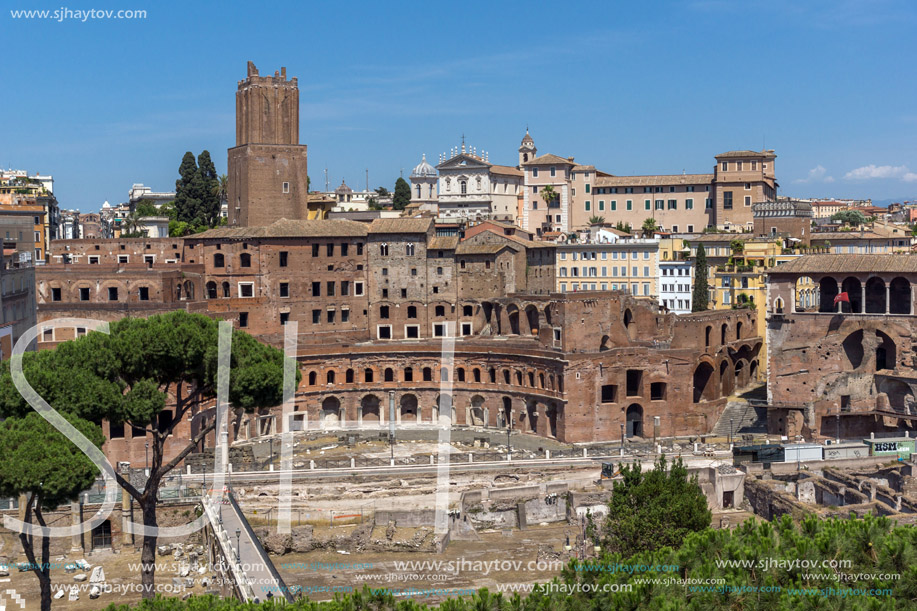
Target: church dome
(343,188)
(423,170)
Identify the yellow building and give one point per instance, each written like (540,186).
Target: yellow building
(608,262)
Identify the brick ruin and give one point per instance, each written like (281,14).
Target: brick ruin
(373,302)
(847,368)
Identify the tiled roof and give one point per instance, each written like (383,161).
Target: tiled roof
(850,235)
(836,264)
(285,228)
(506,170)
(549,158)
(446,242)
(732,154)
(653,181)
(583,168)
(465,248)
(421,225)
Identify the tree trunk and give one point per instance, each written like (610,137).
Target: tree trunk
(148,551)
(41,569)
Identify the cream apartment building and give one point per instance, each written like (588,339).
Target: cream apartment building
(626,264)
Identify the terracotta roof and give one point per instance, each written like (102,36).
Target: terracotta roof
(852,235)
(583,168)
(549,158)
(506,170)
(653,181)
(465,248)
(446,242)
(732,154)
(831,264)
(421,225)
(285,228)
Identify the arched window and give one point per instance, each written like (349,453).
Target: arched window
(506,376)
(312,378)
(329,377)
(464,185)
(211,290)
(245,260)
(532,379)
(408,374)
(389,374)
(739,330)
(427,374)
(225,289)
(444,375)
(723,330)
(476,373)
(367,375)
(707,335)
(518,378)
(493,375)
(218,260)
(348,377)
(460,374)
(418,191)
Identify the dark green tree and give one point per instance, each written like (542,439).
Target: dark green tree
(146,208)
(402,194)
(187,201)
(382,192)
(700,296)
(654,509)
(852,217)
(42,464)
(150,374)
(211,193)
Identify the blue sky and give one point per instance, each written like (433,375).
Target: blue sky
(631,87)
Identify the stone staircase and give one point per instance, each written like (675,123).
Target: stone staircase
(742,418)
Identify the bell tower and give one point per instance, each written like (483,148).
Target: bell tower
(527,150)
(267,167)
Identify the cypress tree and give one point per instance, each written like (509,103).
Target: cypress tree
(701,294)
(402,195)
(209,210)
(186,202)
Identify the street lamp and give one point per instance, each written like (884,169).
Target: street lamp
(238,535)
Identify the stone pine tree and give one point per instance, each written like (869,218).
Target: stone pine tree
(701,294)
(149,374)
(40,463)
(654,509)
(402,195)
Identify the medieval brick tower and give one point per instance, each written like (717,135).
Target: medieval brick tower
(267,167)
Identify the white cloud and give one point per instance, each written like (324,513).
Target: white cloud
(870,171)
(816,174)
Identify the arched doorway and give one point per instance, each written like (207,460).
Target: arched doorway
(512,313)
(634,418)
(886,353)
(408,411)
(477,415)
(875,296)
(727,379)
(370,414)
(854,291)
(331,412)
(531,413)
(899,297)
(506,415)
(531,314)
(827,291)
(853,349)
(629,325)
(552,419)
